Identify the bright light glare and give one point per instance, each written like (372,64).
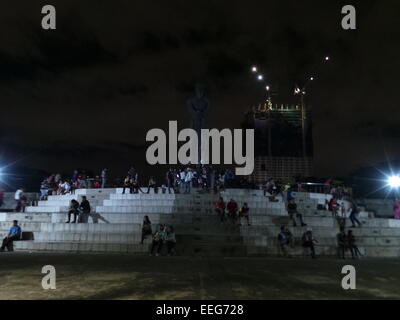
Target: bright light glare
(394,181)
(327,58)
(254,69)
(260,77)
(267,87)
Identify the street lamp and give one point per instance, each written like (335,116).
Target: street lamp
(394,181)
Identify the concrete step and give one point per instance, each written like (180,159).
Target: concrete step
(25,217)
(80,247)
(46,209)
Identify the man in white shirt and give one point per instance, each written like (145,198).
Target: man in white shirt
(18,199)
(188,180)
(182,177)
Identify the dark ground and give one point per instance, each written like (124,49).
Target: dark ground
(123,276)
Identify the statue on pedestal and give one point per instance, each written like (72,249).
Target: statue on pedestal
(198,106)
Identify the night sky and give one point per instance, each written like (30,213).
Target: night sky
(84,95)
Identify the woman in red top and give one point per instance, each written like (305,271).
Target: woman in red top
(232,208)
(220,209)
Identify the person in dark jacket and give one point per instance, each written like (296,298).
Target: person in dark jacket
(146,228)
(342,243)
(351,243)
(73,209)
(309,241)
(84,210)
(292,210)
(171,240)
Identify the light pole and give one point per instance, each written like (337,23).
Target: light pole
(302,93)
(260,77)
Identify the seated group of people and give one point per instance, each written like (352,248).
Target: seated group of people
(344,241)
(81,210)
(163,235)
(56,184)
(234,214)
(132,184)
(286,239)
(347,242)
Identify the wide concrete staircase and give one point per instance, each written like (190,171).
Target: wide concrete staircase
(115,225)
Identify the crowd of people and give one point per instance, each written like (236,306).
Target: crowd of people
(345,241)
(207,179)
(55,184)
(177,180)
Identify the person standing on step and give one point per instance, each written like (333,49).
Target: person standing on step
(19,197)
(354,214)
(170,179)
(188,180)
(244,213)
(220,207)
(341,217)
(342,243)
(309,241)
(14,234)
(73,209)
(104,178)
(146,228)
(158,240)
(351,243)
(292,211)
(132,173)
(85,210)
(171,240)
(182,178)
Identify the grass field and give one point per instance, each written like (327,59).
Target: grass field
(123,276)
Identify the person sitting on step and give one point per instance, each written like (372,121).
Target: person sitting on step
(158,240)
(342,243)
(73,209)
(220,209)
(135,185)
(84,208)
(232,208)
(309,241)
(146,228)
(244,213)
(127,184)
(152,184)
(14,234)
(351,244)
